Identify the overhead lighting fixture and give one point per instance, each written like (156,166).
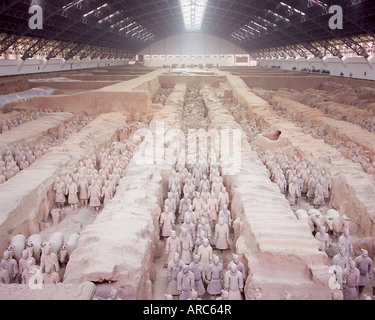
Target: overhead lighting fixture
(193,13)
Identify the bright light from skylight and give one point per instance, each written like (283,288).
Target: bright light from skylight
(193,13)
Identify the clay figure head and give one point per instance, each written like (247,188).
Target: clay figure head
(216,259)
(364,253)
(322,229)
(233,268)
(173,234)
(6,255)
(48,269)
(194,295)
(225,208)
(342,250)
(198,194)
(205,242)
(236,258)
(351,263)
(25,254)
(176,257)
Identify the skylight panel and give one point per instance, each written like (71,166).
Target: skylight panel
(193,13)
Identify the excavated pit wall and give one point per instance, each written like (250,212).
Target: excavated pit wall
(351,187)
(120,245)
(280,251)
(27,198)
(134,94)
(30,132)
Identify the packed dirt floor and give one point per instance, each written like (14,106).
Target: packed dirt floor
(139,183)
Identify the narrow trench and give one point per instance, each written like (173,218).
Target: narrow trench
(194,117)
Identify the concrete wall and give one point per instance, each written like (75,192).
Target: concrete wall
(356,65)
(192,48)
(16,67)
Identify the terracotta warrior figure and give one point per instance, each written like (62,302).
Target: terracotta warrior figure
(94,195)
(364,264)
(10,265)
(221,235)
(28,272)
(49,258)
(213,207)
(166,222)
(233,283)
(50,277)
(239,265)
(174,267)
(225,214)
(323,237)
(319,199)
(60,189)
(205,254)
(106,192)
(172,246)
(198,202)
(204,226)
(185,283)
(72,193)
(185,202)
(223,198)
(189,226)
(350,279)
(215,275)
(197,268)
(4,275)
(187,246)
(22,263)
(83,189)
(341,261)
(346,241)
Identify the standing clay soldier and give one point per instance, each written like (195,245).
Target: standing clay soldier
(189,226)
(185,283)
(225,214)
(197,268)
(213,207)
(49,258)
(166,223)
(205,254)
(50,277)
(311,186)
(106,193)
(10,265)
(341,261)
(293,192)
(221,235)
(60,190)
(198,202)
(215,276)
(319,199)
(350,279)
(72,192)
(83,189)
(185,203)
(239,265)
(94,195)
(22,263)
(4,275)
(174,267)
(172,246)
(223,198)
(364,264)
(323,237)
(346,241)
(187,245)
(233,283)
(204,226)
